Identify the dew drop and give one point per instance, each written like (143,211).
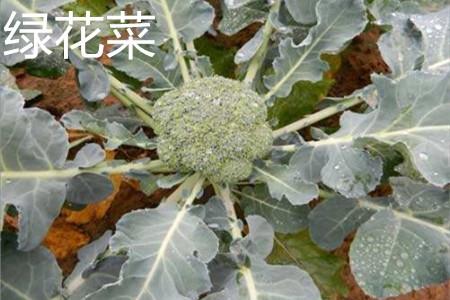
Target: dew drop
(399,263)
(438,26)
(423,156)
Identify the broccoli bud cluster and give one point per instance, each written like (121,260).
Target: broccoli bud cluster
(215,126)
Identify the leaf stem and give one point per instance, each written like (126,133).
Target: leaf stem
(187,185)
(80,141)
(318,116)
(191,48)
(225,194)
(153,166)
(257,60)
(176,42)
(132,100)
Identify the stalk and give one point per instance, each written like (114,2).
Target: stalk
(225,194)
(80,141)
(156,166)
(191,48)
(122,92)
(176,42)
(258,59)
(142,109)
(318,116)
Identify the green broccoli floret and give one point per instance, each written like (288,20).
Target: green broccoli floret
(215,126)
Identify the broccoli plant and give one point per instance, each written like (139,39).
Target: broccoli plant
(213,133)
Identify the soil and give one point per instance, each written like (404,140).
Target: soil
(72,230)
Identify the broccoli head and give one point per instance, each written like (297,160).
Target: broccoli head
(214,126)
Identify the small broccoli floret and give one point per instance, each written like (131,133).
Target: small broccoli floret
(215,126)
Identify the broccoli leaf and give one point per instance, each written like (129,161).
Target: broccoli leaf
(401,47)
(338,22)
(284,181)
(281,214)
(407,247)
(332,220)
(411,111)
(143,67)
(304,12)
(259,279)
(90,274)
(29,275)
(24,6)
(435,28)
(325,268)
(115,133)
(93,79)
(236,19)
(168,250)
(188,19)
(30,140)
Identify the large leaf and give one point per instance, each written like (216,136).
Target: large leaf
(30,140)
(412,111)
(281,214)
(29,275)
(168,250)
(405,245)
(435,28)
(325,268)
(259,280)
(338,22)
